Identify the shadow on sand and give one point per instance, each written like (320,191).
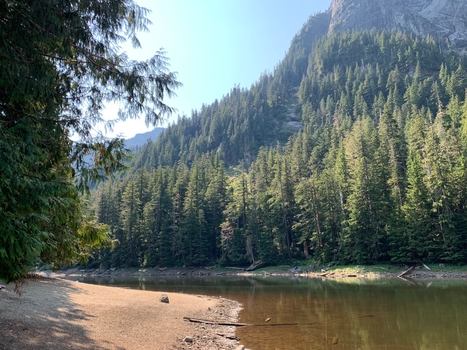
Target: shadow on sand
(44,317)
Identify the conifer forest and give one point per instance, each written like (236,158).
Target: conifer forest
(353,151)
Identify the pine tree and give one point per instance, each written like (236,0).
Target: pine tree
(308,220)
(367,202)
(193,225)
(215,199)
(235,228)
(131,214)
(180,176)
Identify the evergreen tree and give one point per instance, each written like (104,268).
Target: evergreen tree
(367,203)
(57,57)
(132,217)
(215,199)
(193,224)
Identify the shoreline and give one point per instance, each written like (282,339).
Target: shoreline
(57,314)
(338,273)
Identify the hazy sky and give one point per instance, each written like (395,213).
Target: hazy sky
(217,44)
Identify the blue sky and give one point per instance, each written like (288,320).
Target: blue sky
(215,45)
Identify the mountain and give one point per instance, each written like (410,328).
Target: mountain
(141,139)
(354,150)
(237,125)
(444,20)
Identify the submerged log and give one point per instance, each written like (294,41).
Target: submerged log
(236,324)
(227,336)
(220,323)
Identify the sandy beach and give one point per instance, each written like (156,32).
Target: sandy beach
(58,314)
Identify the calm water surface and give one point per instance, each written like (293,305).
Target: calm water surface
(329,314)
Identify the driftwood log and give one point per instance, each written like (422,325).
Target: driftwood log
(406,272)
(426,267)
(254,266)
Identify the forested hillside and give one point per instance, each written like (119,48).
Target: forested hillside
(352,151)
(246,119)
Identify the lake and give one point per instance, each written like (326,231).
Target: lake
(392,314)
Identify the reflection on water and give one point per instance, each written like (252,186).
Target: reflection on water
(382,314)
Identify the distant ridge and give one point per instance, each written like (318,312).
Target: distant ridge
(141,139)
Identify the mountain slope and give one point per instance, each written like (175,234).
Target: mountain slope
(377,171)
(241,122)
(269,112)
(370,165)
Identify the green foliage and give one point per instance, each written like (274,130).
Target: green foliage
(60,62)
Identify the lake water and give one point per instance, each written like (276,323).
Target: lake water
(329,314)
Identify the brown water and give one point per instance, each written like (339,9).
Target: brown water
(327,314)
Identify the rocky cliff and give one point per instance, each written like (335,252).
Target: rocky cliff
(445,20)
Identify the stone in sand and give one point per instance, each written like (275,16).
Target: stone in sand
(164,299)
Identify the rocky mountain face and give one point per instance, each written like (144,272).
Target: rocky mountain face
(445,20)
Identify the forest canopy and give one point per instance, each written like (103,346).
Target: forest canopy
(375,171)
(60,63)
